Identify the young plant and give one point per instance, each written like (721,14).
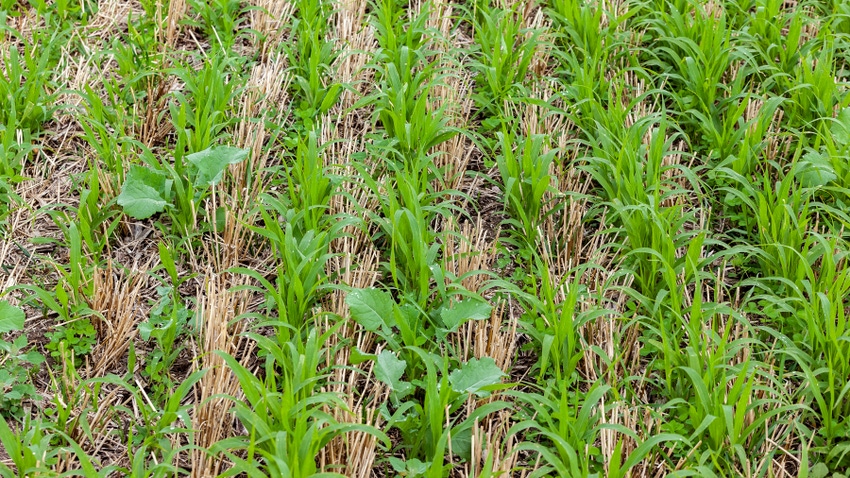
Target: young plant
(25,81)
(71,341)
(564,426)
(777,214)
(504,53)
(284,411)
(814,330)
(301,255)
(15,363)
(829,164)
(105,125)
(30,448)
(219,20)
(404,327)
(580,31)
(168,320)
(139,58)
(429,429)
(311,57)
(526,178)
(398,32)
(413,129)
(26,98)
(202,112)
(310,185)
(179,189)
(554,319)
(149,436)
(69,299)
(91,222)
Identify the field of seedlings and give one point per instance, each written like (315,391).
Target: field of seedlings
(425,238)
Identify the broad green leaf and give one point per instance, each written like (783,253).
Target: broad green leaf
(412,467)
(144,193)
(370,308)
(212,162)
(145,329)
(841,127)
(462,443)
(475,375)
(416,467)
(815,169)
(820,470)
(357,356)
(389,369)
(463,311)
(14,395)
(34,357)
(11,318)
(397,464)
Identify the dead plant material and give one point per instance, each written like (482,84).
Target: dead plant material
(217,309)
(121,304)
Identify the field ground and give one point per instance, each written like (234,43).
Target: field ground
(378,238)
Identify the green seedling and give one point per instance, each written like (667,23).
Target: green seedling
(25,82)
(92,225)
(180,189)
(778,215)
(828,165)
(428,428)
(202,111)
(311,58)
(26,95)
(311,185)
(376,311)
(404,224)
(505,50)
(64,12)
(71,341)
(301,256)
(29,448)
(284,412)
(526,178)
(105,126)
(571,423)
(16,363)
(139,58)
(397,31)
(151,427)
(168,320)
(580,31)
(220,20)
(69,298)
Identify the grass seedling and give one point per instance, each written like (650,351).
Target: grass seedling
(526,178)
(284,413)
(202,114)
(311,185)
(301,255)
(26,94)
(311,58)
(505,50)
(219,20)
(105,126)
